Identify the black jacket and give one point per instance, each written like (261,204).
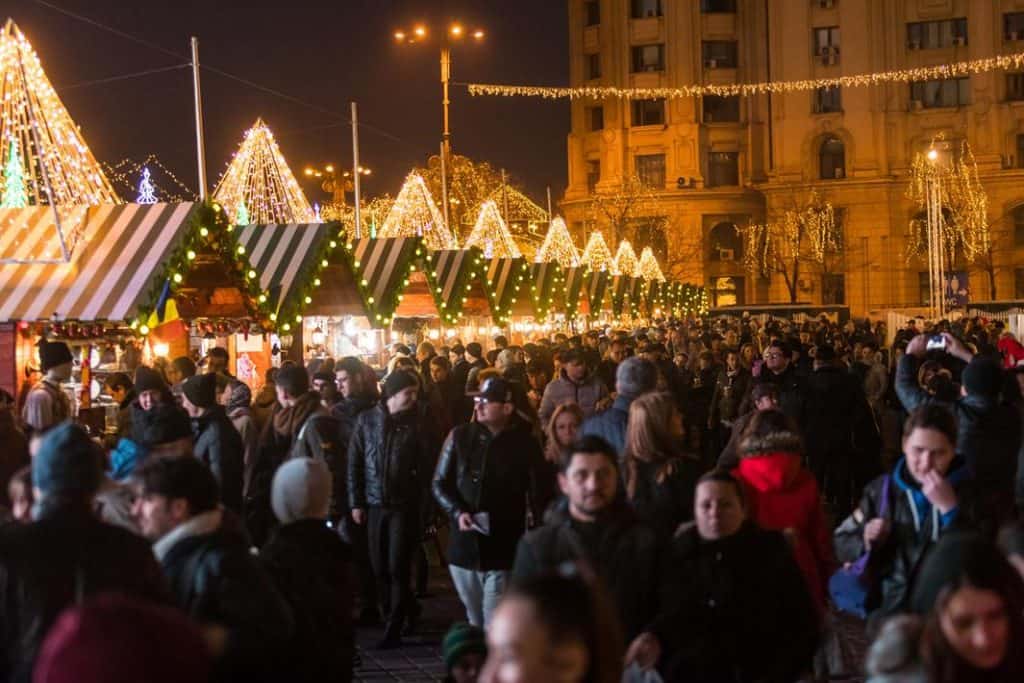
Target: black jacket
(53,563)
(730,390)
(622,551)
(479,471)
(734,610)
(791,391)
(219,445)
(311,566)
(390,459)
(214,579)
(666,504)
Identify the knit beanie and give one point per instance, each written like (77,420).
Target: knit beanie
(983,377)
(67,460)
(164,423)
(116,638)
(397,381)
(301,490)
(462,639)
(52,354)
(963,556)
(201,390)
(148,379)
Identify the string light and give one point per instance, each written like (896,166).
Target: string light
(648,268)
(626,262)
(597,255)
(558,246)
(146,193)
(491,234)
(414,214)
(259,179)
(924,73)
(60,168)
(15,196)
(123,176)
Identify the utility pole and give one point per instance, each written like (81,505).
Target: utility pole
(355,170)
(200,140)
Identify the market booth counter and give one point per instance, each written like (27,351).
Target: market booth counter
(456,280)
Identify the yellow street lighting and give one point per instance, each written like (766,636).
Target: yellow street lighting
(420,31)
(399,35)
(456,30)
(329,168)
(478,34)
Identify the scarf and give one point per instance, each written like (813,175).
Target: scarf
(241,397)
(288,421)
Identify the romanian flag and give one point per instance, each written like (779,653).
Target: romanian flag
(164,322)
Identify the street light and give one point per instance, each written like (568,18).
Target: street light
(454,33)
(331,176)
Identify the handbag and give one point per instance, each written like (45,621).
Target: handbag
(850,586)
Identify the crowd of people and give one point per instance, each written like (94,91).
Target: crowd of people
(694,501)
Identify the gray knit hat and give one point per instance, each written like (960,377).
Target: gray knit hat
(301,490)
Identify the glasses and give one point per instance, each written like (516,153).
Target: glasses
(483,400)
(772,356)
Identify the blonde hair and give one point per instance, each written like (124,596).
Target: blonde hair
(552,449)
(649,436)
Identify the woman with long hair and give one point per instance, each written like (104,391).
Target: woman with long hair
(659,476)
(561,432)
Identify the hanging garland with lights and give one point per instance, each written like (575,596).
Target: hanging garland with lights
(382,267)
(924,73)
(450,275)
(548,279)
(597,288)
(577,280)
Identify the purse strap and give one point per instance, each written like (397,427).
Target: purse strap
(883,504)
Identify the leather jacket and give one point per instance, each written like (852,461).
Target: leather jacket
(219,446)
(390,459)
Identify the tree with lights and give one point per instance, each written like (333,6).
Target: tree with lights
(146,191)
(15,196)
(558,246)
(802,237)
(648,267)
(628,204)
(259,179)
(414,214)
(626,262)
(596,255)
(47,160)
(491,234)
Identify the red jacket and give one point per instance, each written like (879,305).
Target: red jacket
(1011,350)
(782,495)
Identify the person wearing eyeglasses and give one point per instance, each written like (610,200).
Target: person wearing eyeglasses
(779,370)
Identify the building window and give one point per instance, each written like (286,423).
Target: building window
(648,112)
(719,54)
(642,9)
(723,169)
(593,173)
(833,289)
(726,291)
(650,168)
(648,58)
(725,243)
(718,6)
(592,11)
(1013,26)
(593,66)
(928,35)
(1015,86)
(1018,226)
(828,100)
(719,109)
(832,159)
(826,44)
(952,92)
(595,118)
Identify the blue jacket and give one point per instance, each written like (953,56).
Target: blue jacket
(127,454)
(610,425)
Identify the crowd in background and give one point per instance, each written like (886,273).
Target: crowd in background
(697,501)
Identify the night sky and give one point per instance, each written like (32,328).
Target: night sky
(326,53)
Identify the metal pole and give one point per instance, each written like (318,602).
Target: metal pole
(355,170)
(444,191)
(200,141)
(550,215)
(446,72)
(504,195)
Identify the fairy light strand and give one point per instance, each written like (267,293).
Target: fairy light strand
(648,267)
(597,255)
(558,246)
(415,214)
(626,262)
(491,235)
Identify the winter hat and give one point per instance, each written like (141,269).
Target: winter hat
(397,381)
(164,423)
(201,390)
(148,379)
(824,353)
(983,377)
(52,354)
(67,460)
(462,639)
(474,349)
(112,638)
(964,557)
(301,490)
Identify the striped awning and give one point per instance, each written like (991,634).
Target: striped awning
(577,280)
(504,276)
(596,290)
(545,276)
(620,287)
(284,256)
(384,263)
(119,255)
(450,273)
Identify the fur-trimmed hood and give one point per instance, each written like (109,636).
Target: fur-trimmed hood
(775,442)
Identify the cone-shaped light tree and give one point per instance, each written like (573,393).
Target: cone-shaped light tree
(597,255)
(558,246)
(649,268)
(414,213)
(491,235)
(626,262)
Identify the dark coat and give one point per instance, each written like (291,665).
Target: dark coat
(214,579)
(312,566)
(321,439)
(730,457)
(390,460)
(219,445)
(610,425)
(622,550)
(735,609)
(791,391)
(666,504)
(53,563)
(479,471)
(915,527)
(730,390)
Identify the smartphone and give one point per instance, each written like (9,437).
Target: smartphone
(936,342)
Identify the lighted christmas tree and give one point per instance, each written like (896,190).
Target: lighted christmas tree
(491,233)
(414,213)
(242,214)
(558,246)
(626,262)
(15,196)
(259,179)
(147,195)
(649,268)
(47,160)
(596,254)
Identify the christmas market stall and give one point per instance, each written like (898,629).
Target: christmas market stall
(456,280)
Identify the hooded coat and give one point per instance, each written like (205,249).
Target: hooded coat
(219,446)
(586,394)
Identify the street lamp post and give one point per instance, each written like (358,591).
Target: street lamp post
(455,32)
(334,182)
